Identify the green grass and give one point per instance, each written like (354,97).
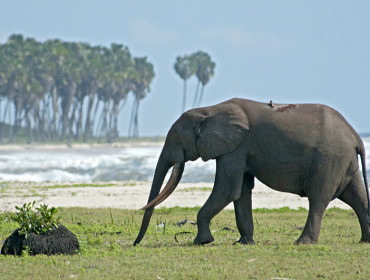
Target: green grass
(106,237)
(73,186)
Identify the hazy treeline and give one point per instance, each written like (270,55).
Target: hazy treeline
(59,90)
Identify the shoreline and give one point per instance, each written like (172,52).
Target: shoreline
(133,195)
(65,146)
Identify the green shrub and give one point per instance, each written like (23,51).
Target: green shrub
(39,221)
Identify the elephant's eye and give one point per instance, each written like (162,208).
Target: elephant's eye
(197,130)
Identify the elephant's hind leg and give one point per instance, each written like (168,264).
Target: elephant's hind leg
(355,196)
(311,231)
(243,211)
(320,187)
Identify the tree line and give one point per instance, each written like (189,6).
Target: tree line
(64,90)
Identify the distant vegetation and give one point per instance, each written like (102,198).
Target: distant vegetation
(57,91)
(54,91)
(198,64)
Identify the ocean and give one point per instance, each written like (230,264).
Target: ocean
(100,164)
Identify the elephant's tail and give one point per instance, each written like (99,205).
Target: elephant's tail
(361,152)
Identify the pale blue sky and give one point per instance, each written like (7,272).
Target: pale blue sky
(285,51)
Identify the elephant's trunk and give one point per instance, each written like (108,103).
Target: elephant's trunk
(154,199)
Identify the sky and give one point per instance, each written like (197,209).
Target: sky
(285,51)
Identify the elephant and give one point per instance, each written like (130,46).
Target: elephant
(305,149)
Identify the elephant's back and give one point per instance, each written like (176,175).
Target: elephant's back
(310,125)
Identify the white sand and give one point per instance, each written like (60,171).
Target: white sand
(134,195)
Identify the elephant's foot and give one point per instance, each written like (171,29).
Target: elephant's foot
(304,240)
(203,238)
(245,240)
(365,237)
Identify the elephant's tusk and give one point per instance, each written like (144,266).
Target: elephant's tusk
(171,185)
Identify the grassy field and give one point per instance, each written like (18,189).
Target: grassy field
(106,237)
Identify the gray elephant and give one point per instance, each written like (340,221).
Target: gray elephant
(306,149)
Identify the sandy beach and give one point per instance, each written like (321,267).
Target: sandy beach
(132,195)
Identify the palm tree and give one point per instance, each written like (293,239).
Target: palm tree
(4,75)
(70,73)
(124,73)
(204,71)
(52,55)
(141,84)
(185,69)
(90,83)
(35,89)
(17,81)
(115,84)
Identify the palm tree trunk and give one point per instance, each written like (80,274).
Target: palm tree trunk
(184,98)
(136,120)
(15,123)
(110,123)
(130,128)
(28,126)
(95,115)
(115,119)
(87,132)
(66,103)
(40,121)
(54,98)
(99,119)
(44,119)
(71,119)
(47,117)
(196,94)
(79,120)
(103,119)
(3,120)
(201,96)
(10,121)
(122,104)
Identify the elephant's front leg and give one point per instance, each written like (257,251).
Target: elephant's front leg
(243,211)
(227,188)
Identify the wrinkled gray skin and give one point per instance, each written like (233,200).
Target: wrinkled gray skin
(306,149)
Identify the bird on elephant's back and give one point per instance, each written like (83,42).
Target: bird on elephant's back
(305,149)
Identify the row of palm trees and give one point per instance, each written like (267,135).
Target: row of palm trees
(64,90)
(200,65)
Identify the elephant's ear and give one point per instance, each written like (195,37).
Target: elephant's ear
(222,131)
